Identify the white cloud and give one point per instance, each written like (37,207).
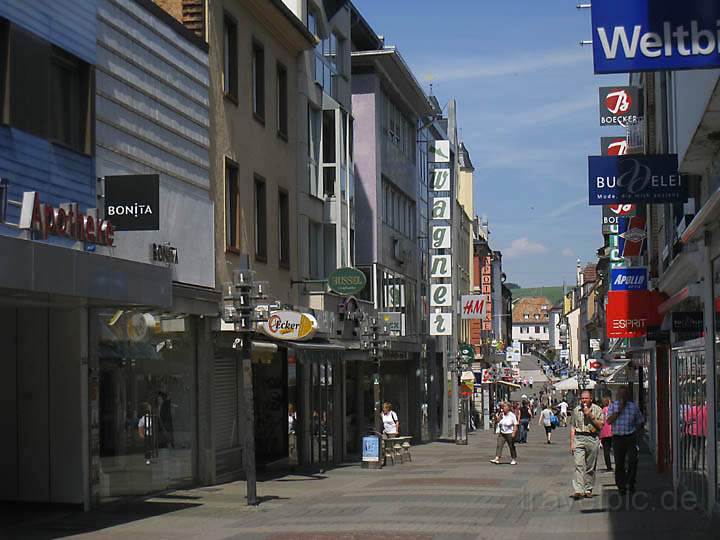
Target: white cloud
(567,252)
(523,246)
(479,68)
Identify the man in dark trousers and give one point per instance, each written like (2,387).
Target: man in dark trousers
(627,421)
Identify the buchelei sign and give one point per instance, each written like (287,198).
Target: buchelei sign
(655,35)
(635,179)
(65,221)
(290,326)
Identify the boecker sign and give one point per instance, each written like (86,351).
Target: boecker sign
(635,179)
(655,35)
(628,279)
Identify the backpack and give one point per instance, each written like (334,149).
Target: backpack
(554,422)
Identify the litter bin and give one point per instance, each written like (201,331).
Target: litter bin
(461,436)
(372,451)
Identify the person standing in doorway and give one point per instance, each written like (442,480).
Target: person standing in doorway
(146,431)
(390,422)
(586,422)
(606,436)
(626,420)
(546,420)
(507,428)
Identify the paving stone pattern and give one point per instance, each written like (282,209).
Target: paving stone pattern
(447,492)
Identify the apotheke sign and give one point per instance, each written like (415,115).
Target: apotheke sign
(655,35)
(65,221)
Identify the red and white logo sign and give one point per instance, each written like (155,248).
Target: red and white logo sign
(618,147)
(618,102)
(633,238)
(629,313)
(622,209)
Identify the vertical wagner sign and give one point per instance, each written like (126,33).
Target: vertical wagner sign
(655,35)
(441,294)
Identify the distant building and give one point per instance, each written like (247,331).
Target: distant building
(530,317)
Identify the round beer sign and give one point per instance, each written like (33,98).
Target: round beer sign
(346,281)
(290,326)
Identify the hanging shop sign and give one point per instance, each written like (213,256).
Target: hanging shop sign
(441,208)
(620,105)
(635,179)
(392,321)
(473,307)
(133,201)
(441,237)
(441,324)
(611,213)
(64,221)
(346,281)
(655,35)
(631,236)
(628,279)
(486,290)
(439,151)
(630,313)
(613,146)
(441,266)
(290,326)
(440,180)
(687,325)
(441,295)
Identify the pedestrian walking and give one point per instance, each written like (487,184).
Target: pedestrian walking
(507,428)
(606,436)
(563,412)
(586,422)
(626,420)
(525,416)
(546,420)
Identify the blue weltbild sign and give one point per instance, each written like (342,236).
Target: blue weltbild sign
(655,35)
(635,179)
(628,279)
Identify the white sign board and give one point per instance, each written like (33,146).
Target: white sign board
(440,208)
(440,180)
(473,306)
(440,266)
(439,151)
(441,237)
(441,324)
(441,295)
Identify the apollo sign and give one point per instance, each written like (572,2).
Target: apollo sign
(655,35)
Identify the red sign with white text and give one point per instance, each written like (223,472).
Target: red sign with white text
(629,313)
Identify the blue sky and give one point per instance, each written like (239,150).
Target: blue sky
(527,107)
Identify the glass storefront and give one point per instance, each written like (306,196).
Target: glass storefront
(692,415)
(145,365)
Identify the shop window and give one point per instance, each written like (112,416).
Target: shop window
(230,58)
(258,81)
(53,98)
(260,220)
(282,101)
(284,229)
(232,207)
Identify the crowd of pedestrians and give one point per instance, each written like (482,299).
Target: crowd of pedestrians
(613,426)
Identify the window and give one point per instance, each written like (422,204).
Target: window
(315,242)
(4,40)
(230,58)
(282,101)
(537,316)
(232,207)
(537,329)
(314,151)
(54,98)
(260,220)
(526,316)
(397,128)
(328,136)
(283,229)
(524,330)
(258,81)
(312,23)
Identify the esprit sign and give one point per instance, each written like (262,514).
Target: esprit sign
(635,180)
(630,313)
(620,105)
(655,35)
(290,326)
(65,221)
(133,201)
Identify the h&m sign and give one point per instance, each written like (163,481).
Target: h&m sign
(655,35)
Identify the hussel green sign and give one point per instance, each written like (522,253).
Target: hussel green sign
(346,281)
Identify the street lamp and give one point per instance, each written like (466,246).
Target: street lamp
(375,342)
(239,303)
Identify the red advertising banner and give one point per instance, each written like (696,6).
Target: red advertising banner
(629,313)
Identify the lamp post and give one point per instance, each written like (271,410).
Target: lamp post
(239,301)
(375,341)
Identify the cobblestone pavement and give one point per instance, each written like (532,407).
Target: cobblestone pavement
(446,492)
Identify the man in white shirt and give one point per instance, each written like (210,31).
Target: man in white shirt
(563,412)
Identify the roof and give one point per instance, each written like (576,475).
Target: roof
(590,273)
(391,62)
(553,294)
(464,157)
(525,310)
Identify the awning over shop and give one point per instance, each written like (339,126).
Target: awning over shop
(512,385)
(467,376)
(616,373)
(312,346)
(571,383)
